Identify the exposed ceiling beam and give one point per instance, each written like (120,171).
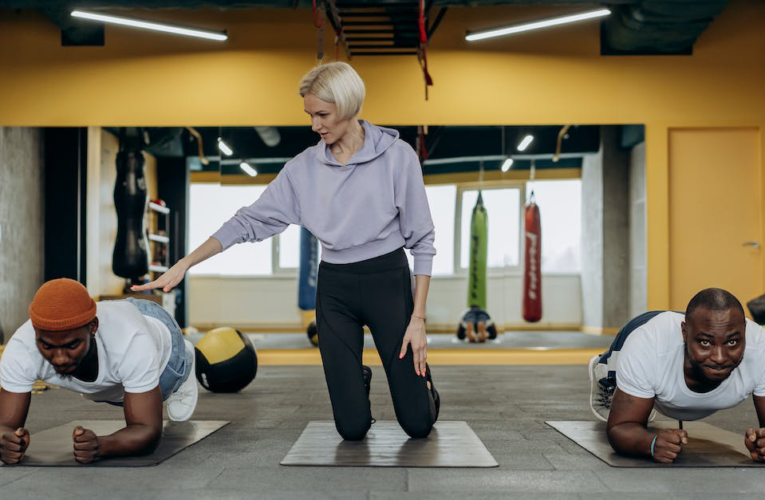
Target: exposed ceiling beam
(635,26)
(75,32)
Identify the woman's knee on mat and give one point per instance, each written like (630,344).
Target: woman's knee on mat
(353,429)
(417,429)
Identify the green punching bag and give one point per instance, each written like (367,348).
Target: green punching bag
(479,235)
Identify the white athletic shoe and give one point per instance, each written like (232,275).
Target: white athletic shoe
(182,403)
(601,389)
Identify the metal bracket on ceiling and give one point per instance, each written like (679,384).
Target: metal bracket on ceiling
(74,32)
(198,137)
(380,27)
(563,134)
(436,22)
(337,23)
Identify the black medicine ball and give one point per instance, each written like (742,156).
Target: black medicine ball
(226,360)
(313,333)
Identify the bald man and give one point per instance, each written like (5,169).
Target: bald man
(686,367)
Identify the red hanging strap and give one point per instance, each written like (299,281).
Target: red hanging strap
(422,149)
(423,33)
(422,55)
(318,23)
(338,37)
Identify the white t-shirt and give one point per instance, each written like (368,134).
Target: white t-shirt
(650,364)
(133,350)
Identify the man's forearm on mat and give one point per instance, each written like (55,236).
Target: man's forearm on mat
(136,439)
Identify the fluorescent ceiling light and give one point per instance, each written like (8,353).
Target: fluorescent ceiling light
(254,161)
(537,25)
(224,147)
(525,142)
(248,169)
(508,163)
(209,35)
(463,159)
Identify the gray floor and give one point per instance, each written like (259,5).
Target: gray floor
(506,406)
(536,340)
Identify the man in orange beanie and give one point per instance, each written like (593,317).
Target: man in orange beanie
(129,353)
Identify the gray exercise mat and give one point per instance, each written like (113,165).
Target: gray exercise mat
(53,447)
(450,444)
(708,446)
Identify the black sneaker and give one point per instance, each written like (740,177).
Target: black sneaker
(433,392)
(367,374)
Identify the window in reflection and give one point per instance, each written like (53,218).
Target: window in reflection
(210,205)
(559,202)
(442,201)
(289,248)
(560,206)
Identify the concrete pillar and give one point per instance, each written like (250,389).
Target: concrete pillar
(592,241)
(21,224)
(638,235)
(616,247)
(605,235)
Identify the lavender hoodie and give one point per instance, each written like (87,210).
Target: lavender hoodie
(371,206)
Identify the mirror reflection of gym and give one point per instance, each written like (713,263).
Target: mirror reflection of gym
(576,192)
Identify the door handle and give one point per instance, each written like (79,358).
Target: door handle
(755,244)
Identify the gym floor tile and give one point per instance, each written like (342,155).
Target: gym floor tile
(506,406)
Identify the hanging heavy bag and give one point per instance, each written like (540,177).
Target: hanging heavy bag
(532,273)
(131,257)
(308,275)
(479,232)
(757,309)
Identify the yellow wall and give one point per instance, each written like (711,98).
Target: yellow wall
(715,207)
(549,77)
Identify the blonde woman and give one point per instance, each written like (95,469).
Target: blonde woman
(360,192)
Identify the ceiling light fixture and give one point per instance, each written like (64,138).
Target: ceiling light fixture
(165,28)
(525,142)
(506,166)
(248,169)
(463,159)
(224,147)
(546,23)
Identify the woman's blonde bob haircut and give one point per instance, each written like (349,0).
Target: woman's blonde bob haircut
(338,83)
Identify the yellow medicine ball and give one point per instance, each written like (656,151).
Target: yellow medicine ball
(226,360)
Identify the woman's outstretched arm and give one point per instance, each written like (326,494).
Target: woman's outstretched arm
(175,274)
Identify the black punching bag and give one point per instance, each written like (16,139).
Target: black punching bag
(131,256)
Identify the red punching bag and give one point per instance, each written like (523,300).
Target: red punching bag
(532,273)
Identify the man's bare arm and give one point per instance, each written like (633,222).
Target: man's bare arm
(628,435)
(627,421)
(759,406)
(141,435)
(14,407)
(754,439)
(14,439)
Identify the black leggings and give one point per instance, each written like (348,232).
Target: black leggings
(377,293)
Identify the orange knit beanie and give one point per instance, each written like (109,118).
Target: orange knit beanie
(61,304)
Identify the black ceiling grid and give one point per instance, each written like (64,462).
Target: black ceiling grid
(377,28)
(390,27)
